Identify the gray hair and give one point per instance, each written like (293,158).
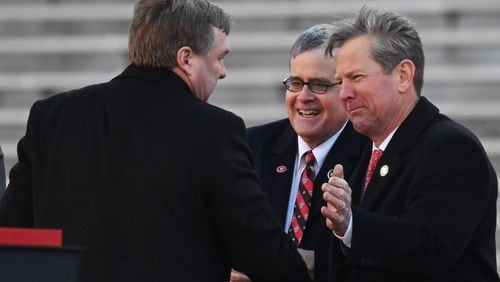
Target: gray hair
(313,38)
(161,27)
(394,39)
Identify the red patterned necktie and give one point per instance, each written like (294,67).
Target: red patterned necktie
(303,200)
(376,154)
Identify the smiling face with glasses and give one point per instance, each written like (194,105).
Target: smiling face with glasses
(317,86)
(315,111)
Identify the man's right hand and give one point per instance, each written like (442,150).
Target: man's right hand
(237,276)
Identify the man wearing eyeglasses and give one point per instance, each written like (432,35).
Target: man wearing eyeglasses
(316,122)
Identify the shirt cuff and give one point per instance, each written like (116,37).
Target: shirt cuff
(347,238)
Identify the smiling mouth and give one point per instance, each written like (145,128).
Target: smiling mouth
(308,113)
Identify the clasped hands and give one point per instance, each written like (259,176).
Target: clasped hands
(337,194)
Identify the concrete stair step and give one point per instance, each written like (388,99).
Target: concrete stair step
(250,15)
(261,84)
(435,75)
(109,11)
(484,37)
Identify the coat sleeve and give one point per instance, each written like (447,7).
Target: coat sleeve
(2,174)
(16,206)
(257,245)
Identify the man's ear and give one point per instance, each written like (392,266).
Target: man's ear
(406,72)
(184,56)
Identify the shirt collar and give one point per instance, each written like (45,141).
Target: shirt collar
(386,141)
(320,151)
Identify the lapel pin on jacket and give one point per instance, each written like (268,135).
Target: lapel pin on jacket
(281,169)
(329,174)
(384,170)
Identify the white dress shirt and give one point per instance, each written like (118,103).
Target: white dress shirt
(320,153)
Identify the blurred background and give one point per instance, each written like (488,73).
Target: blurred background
(50,46)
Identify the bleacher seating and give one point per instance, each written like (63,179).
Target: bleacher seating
(50,46)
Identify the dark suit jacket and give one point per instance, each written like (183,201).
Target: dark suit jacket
(2,174)
(275,145)
(432,217)
(154,183)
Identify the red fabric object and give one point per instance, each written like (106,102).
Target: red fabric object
(30,237)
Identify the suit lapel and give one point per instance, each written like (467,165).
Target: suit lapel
(386,170)
(279,172)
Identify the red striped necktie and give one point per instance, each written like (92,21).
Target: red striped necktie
(303,200)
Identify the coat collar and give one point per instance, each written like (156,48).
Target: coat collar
(407,134)
(163,76)
(286,143)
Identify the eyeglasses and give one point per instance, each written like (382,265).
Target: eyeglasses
(316,86)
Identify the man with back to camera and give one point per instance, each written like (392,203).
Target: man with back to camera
(316,123)
(421,205)
(153,182)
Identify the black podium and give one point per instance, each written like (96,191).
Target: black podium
(39,264)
